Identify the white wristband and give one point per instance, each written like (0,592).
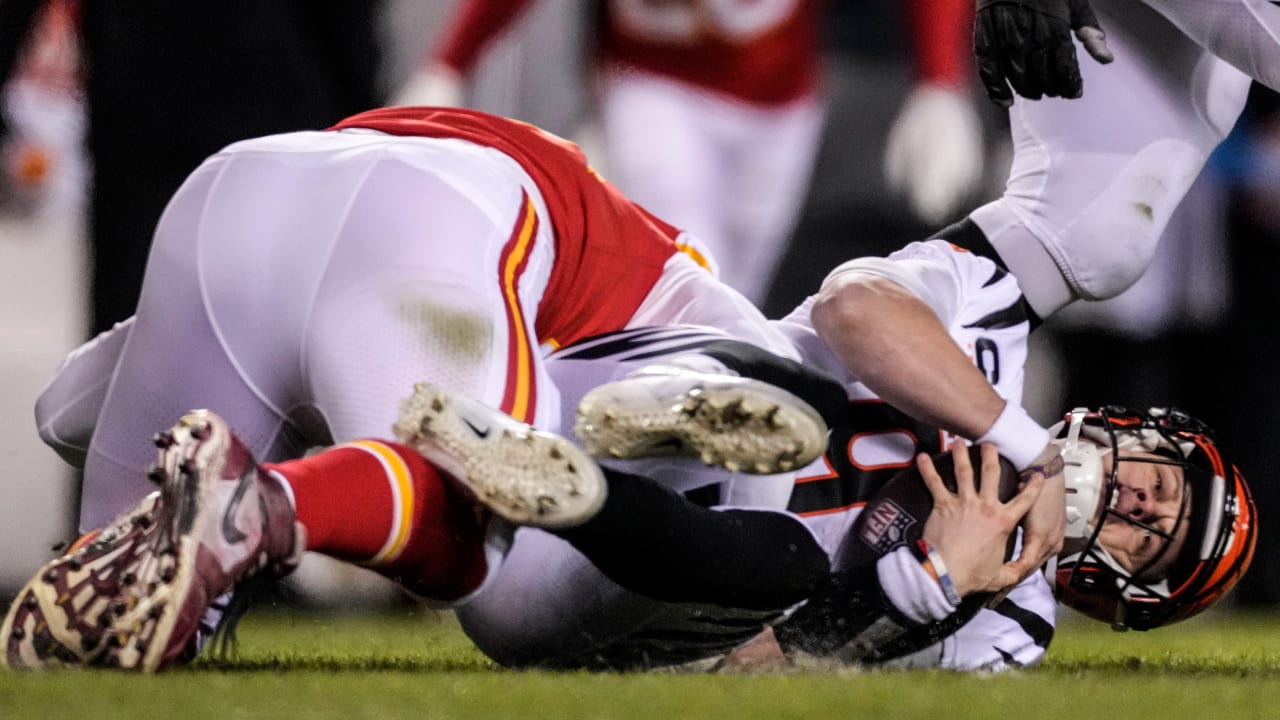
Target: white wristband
(1017,436)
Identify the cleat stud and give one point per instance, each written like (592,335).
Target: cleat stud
(189,467)
(157,475)
(556,454)
(129,578)
(202,431)
(89,642)
(59,547)
(119,608)
(151,588)
(167,575)
(18,633)
(142,521)
(51,575)
(155,612)
(74,564)
(104,620)
(163,440)
(31,602)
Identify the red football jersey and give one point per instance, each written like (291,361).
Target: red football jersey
(609,251)
(761,51)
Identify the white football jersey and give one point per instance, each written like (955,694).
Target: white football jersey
(983,308)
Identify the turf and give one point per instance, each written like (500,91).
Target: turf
(419,665)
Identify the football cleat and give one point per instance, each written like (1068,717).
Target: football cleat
(65,616)
(224,520)
(525,475)
(134,596)
(739,424)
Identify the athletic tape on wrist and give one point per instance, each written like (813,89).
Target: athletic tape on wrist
(1017,436)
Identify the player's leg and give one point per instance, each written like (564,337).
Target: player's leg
(1245,33)
(653,579)
(435,275)
(1095,180)
(662,151)
(764,186)
(68,407)
(174,359)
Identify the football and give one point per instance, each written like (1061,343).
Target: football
(895,515)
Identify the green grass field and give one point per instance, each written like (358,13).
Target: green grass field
(419,665)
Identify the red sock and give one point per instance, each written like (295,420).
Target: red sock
(381,505)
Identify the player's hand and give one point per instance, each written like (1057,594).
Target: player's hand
(1027,44)
(1045,523)
(435,86)
(934,153)
(970,527)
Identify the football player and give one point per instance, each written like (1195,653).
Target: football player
(302,283)
(876,321)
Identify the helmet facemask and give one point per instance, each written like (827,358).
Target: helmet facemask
(1201,556)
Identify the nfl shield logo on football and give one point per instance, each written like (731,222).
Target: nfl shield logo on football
(886,527)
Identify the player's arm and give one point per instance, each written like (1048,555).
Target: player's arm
(474,25)
(897,345)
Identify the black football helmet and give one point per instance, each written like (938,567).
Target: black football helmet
(1218,512)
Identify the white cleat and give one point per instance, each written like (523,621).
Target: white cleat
(739,424)
(525,475)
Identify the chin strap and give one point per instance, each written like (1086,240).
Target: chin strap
(1083,476)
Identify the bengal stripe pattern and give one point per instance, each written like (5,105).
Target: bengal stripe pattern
(403,503)
(520,396)
(640,343)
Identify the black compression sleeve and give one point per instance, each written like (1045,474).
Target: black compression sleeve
(652,541)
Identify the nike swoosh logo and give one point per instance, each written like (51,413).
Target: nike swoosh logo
(483,433)
(230,532)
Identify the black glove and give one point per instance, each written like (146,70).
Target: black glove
(1027,44)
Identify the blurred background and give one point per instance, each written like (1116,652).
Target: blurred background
(167,87)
